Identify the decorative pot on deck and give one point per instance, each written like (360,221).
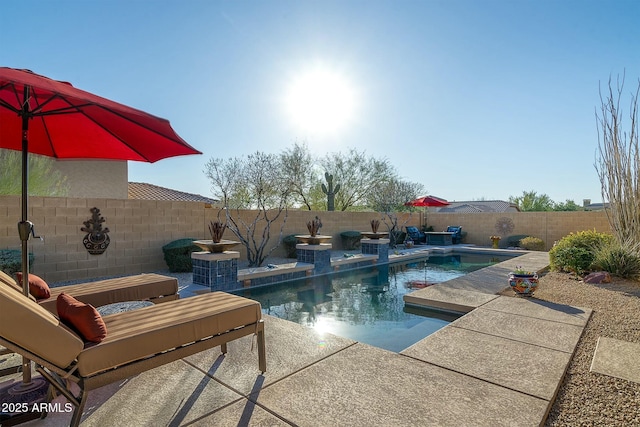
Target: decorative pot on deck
(523,284)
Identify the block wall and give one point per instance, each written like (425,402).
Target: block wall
(548,226)
(139,229)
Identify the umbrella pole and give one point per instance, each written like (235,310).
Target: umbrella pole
(24,227)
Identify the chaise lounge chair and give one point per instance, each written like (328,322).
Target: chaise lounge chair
(135,341)
(142,287)
(416,235)
(456,237)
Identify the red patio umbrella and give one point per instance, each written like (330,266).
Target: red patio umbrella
(45,116)
(428,201)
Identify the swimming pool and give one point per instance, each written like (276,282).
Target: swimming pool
(366,305)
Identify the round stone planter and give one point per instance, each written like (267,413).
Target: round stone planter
(216,248)
(313,240)
(374,236)
(523,284)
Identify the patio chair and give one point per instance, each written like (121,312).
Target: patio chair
(457,233)
(416,235)
(135,341)
(142,287)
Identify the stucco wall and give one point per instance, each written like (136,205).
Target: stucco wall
(95,178)
(139,229)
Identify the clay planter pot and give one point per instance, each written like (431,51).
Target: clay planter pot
(523,284)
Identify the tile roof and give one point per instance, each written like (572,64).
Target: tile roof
(479,206)
(144,191)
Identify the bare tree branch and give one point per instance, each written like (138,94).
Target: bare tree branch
(618,163)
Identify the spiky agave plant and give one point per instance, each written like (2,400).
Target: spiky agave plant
(216,228)
(313,226)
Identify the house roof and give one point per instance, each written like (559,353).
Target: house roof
(479,206)
(144,191)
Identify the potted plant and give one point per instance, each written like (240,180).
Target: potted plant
(313,238)
(374,234)
(523,282)
(216,244)
(495,240)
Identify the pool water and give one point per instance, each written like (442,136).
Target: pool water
(366,305)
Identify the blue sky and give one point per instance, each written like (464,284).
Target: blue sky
(473,99)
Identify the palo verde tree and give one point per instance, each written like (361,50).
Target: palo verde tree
(253,182)
(389,198)
(358,175)
(301,174)
(44,178)
(618,163)
(530,201)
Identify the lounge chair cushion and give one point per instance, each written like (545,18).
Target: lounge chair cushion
(81,317)
(30,326)
(137,334)
(140,287)
(10,282)
(37,287)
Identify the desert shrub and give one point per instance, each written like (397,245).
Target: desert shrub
(576,251)
(290,243)
(11,261)
(572,259)
(513,241)
(617,260)
(177,255)
(532,244)
(350,240)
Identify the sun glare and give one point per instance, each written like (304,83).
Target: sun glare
(320,101)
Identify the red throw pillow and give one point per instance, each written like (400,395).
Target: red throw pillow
(81,317)
(37,286)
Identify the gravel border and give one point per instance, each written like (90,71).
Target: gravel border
(586,398)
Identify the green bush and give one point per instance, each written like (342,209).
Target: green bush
(617,260)
(532,244)
(576,251)
(177,255)
(350,240)
(11,261)
(290,243)
(513,241)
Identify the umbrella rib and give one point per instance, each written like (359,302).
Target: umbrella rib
(17,95)
(8,106)
(71,109)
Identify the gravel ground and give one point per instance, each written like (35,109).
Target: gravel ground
(585,398)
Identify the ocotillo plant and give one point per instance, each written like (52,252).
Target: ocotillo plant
(374,225)
(216,228)
(313,226)
(330,191)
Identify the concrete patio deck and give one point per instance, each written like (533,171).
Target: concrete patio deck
(498,365)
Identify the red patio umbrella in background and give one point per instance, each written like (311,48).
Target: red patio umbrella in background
(53,118)
(426,202)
